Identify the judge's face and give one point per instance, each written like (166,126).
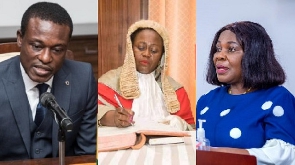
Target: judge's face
(148,49)
(228,59)
(43,48)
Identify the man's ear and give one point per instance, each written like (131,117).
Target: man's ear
(19,38)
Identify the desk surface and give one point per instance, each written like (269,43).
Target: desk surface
(71,160)
(183,154)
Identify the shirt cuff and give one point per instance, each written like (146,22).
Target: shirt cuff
(274,151)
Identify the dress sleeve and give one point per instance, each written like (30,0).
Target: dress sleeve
(106,101)
(279,127)
(279,122)
(274,151)
(185,111)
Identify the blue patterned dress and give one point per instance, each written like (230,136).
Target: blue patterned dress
(247,120)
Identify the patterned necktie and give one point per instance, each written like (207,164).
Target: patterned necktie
(41,111)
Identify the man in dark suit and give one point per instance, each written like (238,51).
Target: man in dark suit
(46,30)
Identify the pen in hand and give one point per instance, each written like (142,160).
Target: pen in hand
(119,103)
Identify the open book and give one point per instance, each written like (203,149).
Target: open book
(113,138)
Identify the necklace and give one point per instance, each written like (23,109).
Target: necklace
(229,90)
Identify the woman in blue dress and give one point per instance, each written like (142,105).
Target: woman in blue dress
(250,112)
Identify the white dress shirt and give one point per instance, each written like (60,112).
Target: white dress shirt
(32,91)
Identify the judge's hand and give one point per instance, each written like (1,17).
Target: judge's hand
(123,117)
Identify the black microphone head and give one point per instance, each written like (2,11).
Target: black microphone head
(45,98)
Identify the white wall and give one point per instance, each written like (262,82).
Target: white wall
(83,13)
(276,16)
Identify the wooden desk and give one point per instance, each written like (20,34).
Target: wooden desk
(219,158)
(71,160)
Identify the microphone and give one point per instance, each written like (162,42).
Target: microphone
(48,101)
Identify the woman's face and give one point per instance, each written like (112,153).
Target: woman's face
(228,59)
(148,49)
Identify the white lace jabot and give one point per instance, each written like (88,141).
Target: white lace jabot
(150,105)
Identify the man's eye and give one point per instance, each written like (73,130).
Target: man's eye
(58,50)
(36,47)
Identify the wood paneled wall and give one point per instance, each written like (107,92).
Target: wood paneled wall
(114,19)
(85,49)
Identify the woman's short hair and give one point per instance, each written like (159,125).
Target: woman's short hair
(260,69)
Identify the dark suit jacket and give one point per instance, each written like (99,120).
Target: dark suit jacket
(78,98)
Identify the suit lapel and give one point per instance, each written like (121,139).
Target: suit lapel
(18,99)
(61,89)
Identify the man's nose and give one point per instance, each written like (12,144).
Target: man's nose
(45,56)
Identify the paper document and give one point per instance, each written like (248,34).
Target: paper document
(165,140)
